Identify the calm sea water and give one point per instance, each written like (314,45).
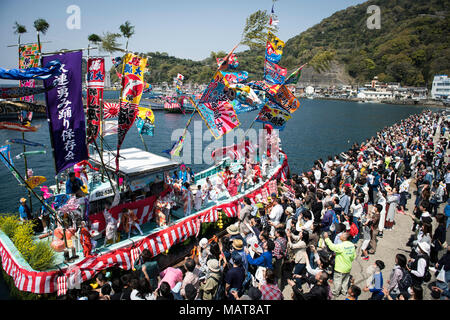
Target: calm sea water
(318,129)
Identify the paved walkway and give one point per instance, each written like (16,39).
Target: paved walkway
(393,242)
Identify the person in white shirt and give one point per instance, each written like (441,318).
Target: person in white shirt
(305,222)
(198,198)
(382,201)
(317,174)
(111,223)
(275,216)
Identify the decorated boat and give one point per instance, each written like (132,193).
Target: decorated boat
(157,239)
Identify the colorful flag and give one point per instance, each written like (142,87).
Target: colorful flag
(263,86)
(52,68)
(239,107)
(29,56)
(273,73)
(6,152)
(17,127)
(25,142)
(294,76)
(247,99)
(65,112)
(235,77)
(94,96)
(274,48)
(228,61)
(180,77)
(34,181)
(110,110)
(274,115)
(219,116)
(286,99)
(144,121)
(233,62)
(217,90)
(130,96)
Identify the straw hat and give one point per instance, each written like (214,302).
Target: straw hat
(233,230)
(290,210)
(213,265)
(238,244)
(22,200)
(425,247)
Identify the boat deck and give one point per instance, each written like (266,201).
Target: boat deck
(151,226)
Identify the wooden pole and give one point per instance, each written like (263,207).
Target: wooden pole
(103,164)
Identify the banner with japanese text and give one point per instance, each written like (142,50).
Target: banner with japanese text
(274,115)
(273,73)
(94,96)
(65,112)
(286,99)
(132,87)
(220,117)
(274,48)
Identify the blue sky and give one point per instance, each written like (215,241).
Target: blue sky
(182,28)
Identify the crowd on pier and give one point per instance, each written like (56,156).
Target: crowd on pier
(308,235)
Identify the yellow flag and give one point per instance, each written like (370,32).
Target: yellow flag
(146,113)
(34,181)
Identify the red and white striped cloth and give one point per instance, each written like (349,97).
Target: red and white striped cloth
(62,285)
(171,105)
(39,282)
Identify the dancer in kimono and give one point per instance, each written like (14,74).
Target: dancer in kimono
(187,199)
(393,200)
(129,221)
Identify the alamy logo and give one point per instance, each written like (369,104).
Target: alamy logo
(74,20)
(374,21)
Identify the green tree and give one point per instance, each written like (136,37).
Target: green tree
(109,42)
(19,29)
(127,31)
(255,30)
(41,26)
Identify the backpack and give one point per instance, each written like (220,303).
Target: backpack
(405,282)
(220,291)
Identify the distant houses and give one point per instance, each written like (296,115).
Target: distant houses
(441,87)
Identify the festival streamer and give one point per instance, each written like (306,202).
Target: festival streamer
(233,63)
(29,153)
(95,85)
(219,116)
(144,121)
(274,115)
(25,142)
(6,151)
(34,181)
(286,99)
(235,77)
(294,76)
(273,73)
(130,95)
(65,112)
(274,48)
(52,68)
(217,90)
(29,56)
(17,127)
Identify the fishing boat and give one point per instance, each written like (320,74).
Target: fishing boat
(172,105)
(146,174)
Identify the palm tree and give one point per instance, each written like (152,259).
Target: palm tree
(95,39)
(127,31)
(41,26)
(109,42)
(19,29)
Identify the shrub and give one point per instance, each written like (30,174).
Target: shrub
(23,239)
(42,256)
(9,224)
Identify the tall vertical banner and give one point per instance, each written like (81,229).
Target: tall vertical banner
(65,112)
(95,85)
(28,58)
(130,96)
